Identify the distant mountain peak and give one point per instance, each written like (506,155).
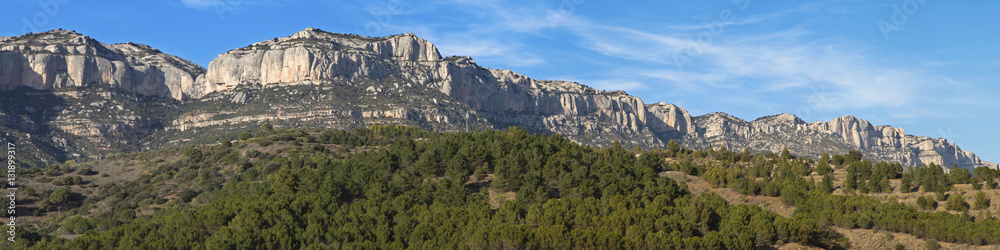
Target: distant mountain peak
(723,115)
(52,37)
(783,118)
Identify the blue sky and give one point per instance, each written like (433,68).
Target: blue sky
(924,65)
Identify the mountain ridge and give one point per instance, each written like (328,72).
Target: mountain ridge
(395,66)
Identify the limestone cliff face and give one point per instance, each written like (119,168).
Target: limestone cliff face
(894,145)
(61,58)
(862,134)
(581,113)
(721,124)
(322,79)
(673,118)
(838,135)
(504,97)
(312,54)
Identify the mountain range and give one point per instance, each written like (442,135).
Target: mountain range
(66,96)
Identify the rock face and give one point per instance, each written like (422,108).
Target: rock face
(502,96)
(674,119)
(838,135)
(315,78)
(61,58)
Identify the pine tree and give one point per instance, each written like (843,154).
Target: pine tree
(853,156)
(785,154)
(673,147)
(959,175)
(957,203)
(59,196)
(922,202)
(905,184)
(982,202)
(827,185)
(823,168)
(851,181)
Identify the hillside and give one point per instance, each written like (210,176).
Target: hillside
(420,189)
(388,186)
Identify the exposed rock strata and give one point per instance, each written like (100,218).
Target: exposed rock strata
(62,58)
(505,97)
(363,79)
(838,135)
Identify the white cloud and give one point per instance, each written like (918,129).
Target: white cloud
(626,85)
(808,7)
(201,4)
(776,61)
(493,31)
(781,61)
(467,48)
(508,53)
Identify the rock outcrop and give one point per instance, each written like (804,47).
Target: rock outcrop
(838,135)
(669,118)
(504,97)
(323,79)
(61,58)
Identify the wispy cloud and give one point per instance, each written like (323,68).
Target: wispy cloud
(779,61)
(509,53)
(493,30)
(203,4)
(617,84)
(772,16)
(789,60)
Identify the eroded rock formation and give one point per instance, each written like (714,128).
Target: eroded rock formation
(402,79)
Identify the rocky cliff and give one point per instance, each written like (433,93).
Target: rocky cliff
(315,78)
(505,98)
(839,135)
(62,58)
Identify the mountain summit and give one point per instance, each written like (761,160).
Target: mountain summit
(315,78)
(63,58)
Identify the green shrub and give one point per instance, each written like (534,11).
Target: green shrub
(43,179)
(194,154)
(86,171)
(932,245)
(244,136)
(982,202)
(59,196)
(957,203)
(187,195)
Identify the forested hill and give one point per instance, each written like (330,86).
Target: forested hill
(391,187)
(398,187)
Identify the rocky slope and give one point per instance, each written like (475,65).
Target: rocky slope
(315,78)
